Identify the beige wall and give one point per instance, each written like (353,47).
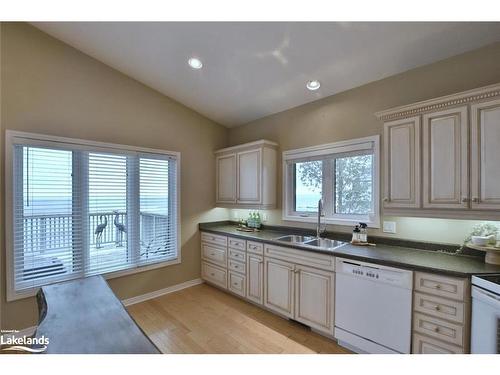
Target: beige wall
(351,114)
(51,88)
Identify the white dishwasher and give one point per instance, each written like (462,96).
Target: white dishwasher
(373,306)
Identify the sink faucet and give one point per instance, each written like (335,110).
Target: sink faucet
(320,213)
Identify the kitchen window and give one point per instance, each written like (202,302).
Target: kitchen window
(344,174)
(81,208)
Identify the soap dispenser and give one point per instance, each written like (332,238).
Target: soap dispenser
(363,232)
(356,234)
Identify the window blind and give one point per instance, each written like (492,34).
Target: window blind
(80,210)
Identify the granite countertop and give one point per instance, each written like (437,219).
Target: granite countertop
(402,256)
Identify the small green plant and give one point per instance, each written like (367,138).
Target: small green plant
(483,230)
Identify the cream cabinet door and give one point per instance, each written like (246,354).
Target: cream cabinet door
(255,278)
(314,298)
(445,159)
(402,163)
(485,155)
(249,175)
(279,286)
(226,178)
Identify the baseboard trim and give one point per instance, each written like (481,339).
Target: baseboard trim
(161,292)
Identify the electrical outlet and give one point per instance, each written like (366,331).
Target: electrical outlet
(264,217)
(389,227)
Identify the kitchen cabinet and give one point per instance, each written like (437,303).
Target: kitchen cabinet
(279,286)
(226,178)
(247,175)
(441,314)
(441,156)
(445,159)
(402,163)
(255,278)
(485,155)
(314,296)
(427,345)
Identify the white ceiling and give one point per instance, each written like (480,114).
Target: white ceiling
(252,70)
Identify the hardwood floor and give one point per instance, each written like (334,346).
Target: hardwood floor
(203,319)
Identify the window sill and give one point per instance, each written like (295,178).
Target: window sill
(14,296)
(335,221)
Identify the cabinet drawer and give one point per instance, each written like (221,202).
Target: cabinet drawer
(236,266)
(438,328)
(237,255)
(237,283)
(214,275)
(255,247)
(439,307)
(236,243)
(214,254)
(306,258)
(427,345)
(442,286)
(214,239)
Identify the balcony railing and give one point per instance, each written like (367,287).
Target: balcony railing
(48,232)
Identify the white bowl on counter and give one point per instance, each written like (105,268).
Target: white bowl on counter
(482,240)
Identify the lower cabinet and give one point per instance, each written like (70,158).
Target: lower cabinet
(255,278)
(314,298)
(302,293)
(279,286)
(215,275)
(427,345)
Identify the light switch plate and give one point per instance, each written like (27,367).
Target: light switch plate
(389,227)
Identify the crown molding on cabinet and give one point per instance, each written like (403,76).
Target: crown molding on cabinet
(261,142)
(442,102)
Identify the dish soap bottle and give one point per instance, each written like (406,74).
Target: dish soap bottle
(363,232)
(355,234)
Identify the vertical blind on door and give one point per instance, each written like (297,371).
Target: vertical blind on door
(80,211)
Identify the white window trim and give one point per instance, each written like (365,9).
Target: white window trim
(352,145)
(10,136)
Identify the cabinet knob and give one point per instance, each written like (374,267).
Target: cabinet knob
(475,199)
(385,199)
(465,200)
(436,329)
(438,286)
(437,308)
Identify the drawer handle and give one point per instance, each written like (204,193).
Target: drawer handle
(212,254)
(212,274)
(235,283)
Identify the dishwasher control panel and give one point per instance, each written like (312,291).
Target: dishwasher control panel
(375,272)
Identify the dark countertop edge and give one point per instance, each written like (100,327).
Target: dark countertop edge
(345,236)
(213,228)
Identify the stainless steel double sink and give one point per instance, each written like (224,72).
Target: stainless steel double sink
(309,241)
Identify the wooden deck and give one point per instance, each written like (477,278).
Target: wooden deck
(203,319)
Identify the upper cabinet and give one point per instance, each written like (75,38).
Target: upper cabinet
(246,175)
(445,159)
(402,165)
(226,181)
(441,156)
(485,155)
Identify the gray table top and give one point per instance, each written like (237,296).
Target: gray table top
(84,316)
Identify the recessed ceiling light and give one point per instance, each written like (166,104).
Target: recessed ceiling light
(313,85)
(195,63)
